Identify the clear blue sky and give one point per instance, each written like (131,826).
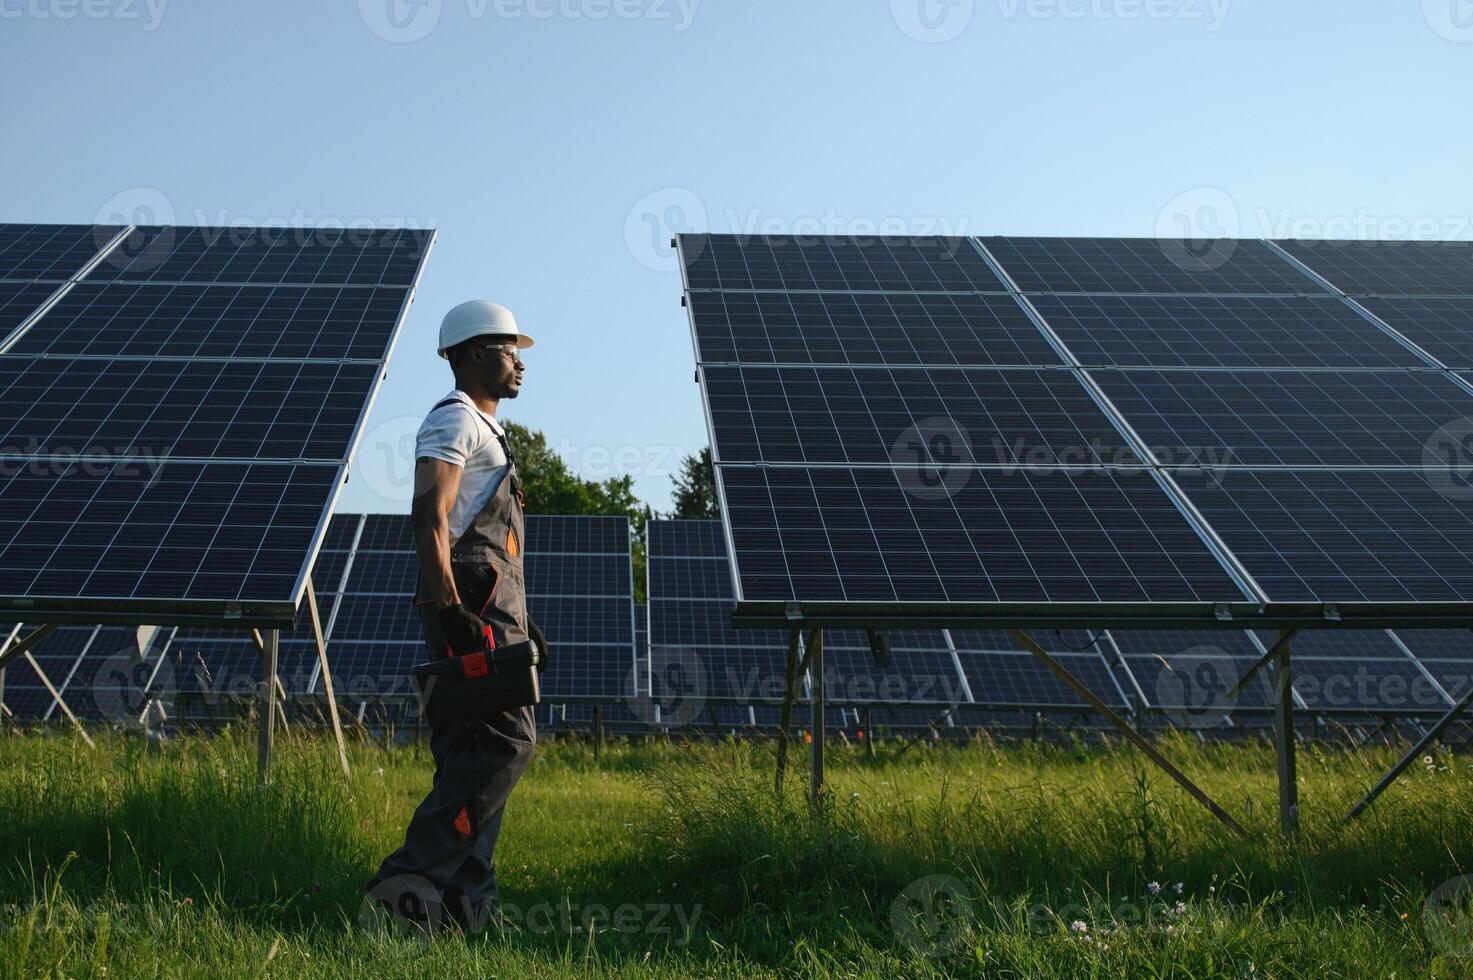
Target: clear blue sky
(554,143)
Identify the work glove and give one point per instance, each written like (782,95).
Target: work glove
(535,632)
(464,631)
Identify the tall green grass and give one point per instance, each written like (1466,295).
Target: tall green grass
(680,860)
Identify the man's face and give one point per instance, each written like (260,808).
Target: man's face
(500,371)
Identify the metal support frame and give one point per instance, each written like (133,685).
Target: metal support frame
(1432,735)
(1135,737)
(598,730)
(56,696)
(1273,651)
(794,671)
(816,655)
(326,675)
(1284,738)
(15,648)
(869,734)
(267,700)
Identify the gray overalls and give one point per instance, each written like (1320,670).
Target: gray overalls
(449,844)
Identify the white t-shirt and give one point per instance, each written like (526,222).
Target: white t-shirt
(462,434)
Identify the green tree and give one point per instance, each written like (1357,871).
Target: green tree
(695,487)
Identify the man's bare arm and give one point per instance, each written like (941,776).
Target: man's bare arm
(435,485)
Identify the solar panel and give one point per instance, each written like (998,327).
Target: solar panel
(891,329)
(1007,679)
(1220,331)
(97,319)
(172,450)
(23,691)
(1441,327)
(858,263)
(921,669)
(1287,418)
(155,530)
(856,535)
(53,253)
(1190,673)
(204,409)
(1378,268)
(877,415)
(297,256)
(19,300)
(1338,438)
(694,650)
(1344,536)
(1366,685)
(1147,265)
(547,534)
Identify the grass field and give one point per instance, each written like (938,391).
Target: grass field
(679,860)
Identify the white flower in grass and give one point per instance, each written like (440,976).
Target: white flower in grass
(1180,908)
(1179,886)
(1154,888)
(1079,926)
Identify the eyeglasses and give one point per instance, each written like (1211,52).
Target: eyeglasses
(505,349)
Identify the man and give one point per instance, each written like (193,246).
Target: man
(467,520)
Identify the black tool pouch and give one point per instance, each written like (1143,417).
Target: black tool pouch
(473,686)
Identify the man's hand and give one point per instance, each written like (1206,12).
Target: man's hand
(536,634)
(463,629)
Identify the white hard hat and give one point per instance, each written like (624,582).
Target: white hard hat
(479,318)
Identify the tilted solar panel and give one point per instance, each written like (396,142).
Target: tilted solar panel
(1344,536)
(1147,265)
(872,535)
(1441,327)
(19,300)
(877,415)
(1390,268)
(51,253)
(295,256)
(184,408)
(190,320)
(894,264)
(1287,418)
(1220,331)
(891,329)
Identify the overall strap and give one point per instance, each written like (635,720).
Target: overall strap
(511,458)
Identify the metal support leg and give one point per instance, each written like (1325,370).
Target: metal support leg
(1135,737)
(56,696)
(598,730)
(14,648)
(869,735)
(816,654)
(332,701)
(785,723)
(1284,739)
(1433,734)
(1259,664)
(268,706)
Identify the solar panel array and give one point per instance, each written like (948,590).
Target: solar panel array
(934,429)
(180,406)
